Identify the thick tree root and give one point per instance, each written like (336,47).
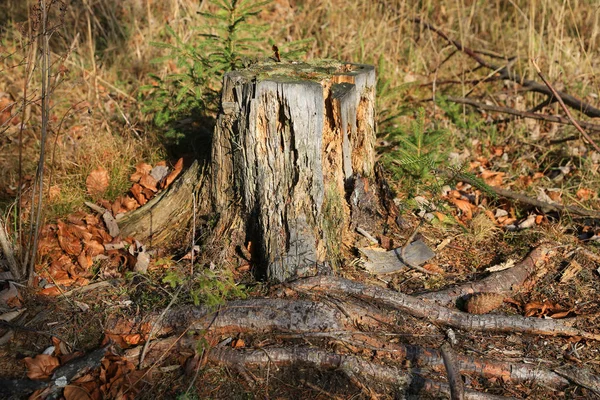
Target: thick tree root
(350,365)
(507,282)
(436,313)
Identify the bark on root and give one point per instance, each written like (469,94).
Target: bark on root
(438,314)
(506,282)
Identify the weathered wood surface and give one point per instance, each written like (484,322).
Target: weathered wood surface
(289,142)
(167,215)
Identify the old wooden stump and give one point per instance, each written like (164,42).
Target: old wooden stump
(290,144)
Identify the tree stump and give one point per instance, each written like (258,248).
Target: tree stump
(291,142)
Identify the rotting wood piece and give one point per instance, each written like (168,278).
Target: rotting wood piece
(167,215)
(290,141)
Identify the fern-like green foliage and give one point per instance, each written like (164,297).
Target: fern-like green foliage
(225,40)
(416,152)
(209,286)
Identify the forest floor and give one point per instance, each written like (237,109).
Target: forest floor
(104,149)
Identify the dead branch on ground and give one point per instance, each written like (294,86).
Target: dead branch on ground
(506,73)
(350,365)
(457,387)
(523,114)
(438,314)
(564,107)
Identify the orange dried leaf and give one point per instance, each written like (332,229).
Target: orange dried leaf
(41,366)
(84,260)
(173,174)
(132,339)
(434,268)
(141,169)
(129,203)
(50,291)
(67,239)
(136,190)
(148,182)
(464,206)
(584,194)
(73,392)
(97,182)
(492,178)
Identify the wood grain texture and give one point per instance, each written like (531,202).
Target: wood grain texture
(288,140)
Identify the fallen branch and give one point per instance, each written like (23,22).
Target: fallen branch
(61,377)
(256,315)
(438,314)
(457,387)
(351,365)
(564,107)
(507,281)
(505,73)
(521,198)
(523,114)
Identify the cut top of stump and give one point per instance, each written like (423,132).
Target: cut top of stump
(316,71)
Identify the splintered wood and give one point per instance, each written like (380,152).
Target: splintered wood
(289,142)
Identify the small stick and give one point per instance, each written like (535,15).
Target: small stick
(564,107)
(523,114)
(403,252)
(457,387)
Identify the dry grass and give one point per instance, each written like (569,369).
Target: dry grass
(109,59)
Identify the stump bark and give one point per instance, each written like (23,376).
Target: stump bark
(290,144)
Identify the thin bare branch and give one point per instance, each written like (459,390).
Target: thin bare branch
(506,73)
(564,107)
(523,114)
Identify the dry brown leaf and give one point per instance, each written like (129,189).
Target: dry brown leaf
(141,169)
(238,343)
(73,392)
(148,182)
(148,194)
(491,216)
(67,240)
(539,309)
(433,268)
(173,174)
(133,339)
(584,194)
(41,366)
(464,206)
(136,190)
(50,291)
(116,206)
(84,260)
(94,248)
(492,178)
(129,203)
(97,182)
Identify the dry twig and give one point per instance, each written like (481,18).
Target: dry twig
(506,73)
(564,107)
(523,114)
